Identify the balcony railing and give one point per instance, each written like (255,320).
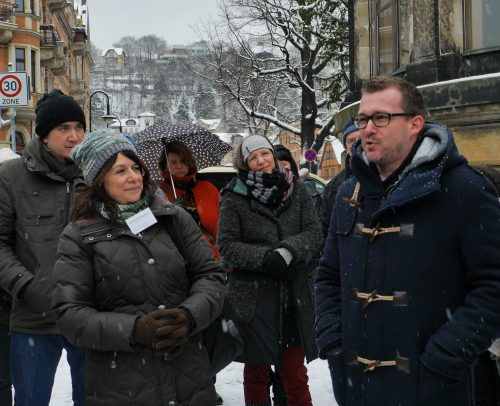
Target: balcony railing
(7,12)
(7,24)
(53,51)
(50,37)
(57,4)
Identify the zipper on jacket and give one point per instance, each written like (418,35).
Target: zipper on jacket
(68,201)
(157,375)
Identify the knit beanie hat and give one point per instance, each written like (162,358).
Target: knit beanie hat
(348,129)
(254,142)
(55,108)
(284,154)
(95,150)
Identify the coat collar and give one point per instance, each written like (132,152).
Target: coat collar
(420,177)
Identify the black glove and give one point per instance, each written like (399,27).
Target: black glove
(146,326)
(275,265)
(172,336)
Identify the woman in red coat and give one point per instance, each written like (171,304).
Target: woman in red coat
(199,197)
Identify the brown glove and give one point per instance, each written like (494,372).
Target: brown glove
(146,326)
(171,336)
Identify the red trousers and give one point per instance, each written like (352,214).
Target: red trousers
(293,374)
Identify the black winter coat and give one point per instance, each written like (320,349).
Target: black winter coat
(329,195)
(106,277)
(35,205)
(429,246)
(248,230)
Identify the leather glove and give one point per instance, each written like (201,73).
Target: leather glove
(174,334)
(146,326)
(275,265)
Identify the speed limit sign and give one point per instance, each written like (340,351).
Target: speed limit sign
(14,89)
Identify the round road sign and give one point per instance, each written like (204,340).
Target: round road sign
(310,155)
(10,86)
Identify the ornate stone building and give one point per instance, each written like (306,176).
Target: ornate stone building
(450,48)
(49,40)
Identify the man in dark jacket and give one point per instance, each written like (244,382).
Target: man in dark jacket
(37,194)
(350,135)
(408,289)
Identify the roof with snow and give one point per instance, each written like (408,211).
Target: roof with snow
(118,51)
(228,137)
(211,124)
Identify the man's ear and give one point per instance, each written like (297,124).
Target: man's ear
(416,125)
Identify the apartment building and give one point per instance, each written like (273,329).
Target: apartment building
(49,40)
(450,48)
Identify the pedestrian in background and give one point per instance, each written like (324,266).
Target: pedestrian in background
(305,178)
(181,185)
(285,157)
(270,236)
(6,154)
(136,283)
(37,195)
(350,134)
(408,288)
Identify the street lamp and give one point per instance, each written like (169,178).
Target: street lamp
(119,122)
(108,118)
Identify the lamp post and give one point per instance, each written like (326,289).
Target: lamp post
(108,118)
(119,122)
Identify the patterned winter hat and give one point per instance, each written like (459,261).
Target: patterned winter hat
(95,150)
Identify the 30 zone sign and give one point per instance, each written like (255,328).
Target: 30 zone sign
(14,89)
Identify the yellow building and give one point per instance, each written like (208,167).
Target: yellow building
(49,41)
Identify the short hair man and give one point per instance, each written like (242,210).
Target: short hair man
(37,194)
(350,134)
(408,289)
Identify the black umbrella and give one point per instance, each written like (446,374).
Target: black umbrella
(208,149)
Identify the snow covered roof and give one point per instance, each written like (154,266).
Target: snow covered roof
(118,51)
(228,137)
(337,146)
(147,114)
(211,124)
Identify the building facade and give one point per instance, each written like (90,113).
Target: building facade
(49,40)
(450,48)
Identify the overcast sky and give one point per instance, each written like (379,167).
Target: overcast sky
(109,20)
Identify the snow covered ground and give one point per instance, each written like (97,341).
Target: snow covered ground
(229,384)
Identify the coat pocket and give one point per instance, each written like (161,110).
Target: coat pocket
(99,371)
(337,373)
(242,299)
(434,389)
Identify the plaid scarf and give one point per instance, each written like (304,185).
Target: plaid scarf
(270,189)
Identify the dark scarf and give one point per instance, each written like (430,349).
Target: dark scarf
(67,170)
(186,184)
(269,188)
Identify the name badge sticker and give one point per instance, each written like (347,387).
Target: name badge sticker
(140,221)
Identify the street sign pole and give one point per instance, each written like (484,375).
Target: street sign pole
(12,118)
(310,155)
(14,91)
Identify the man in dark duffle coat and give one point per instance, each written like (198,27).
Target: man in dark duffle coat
(408,288)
